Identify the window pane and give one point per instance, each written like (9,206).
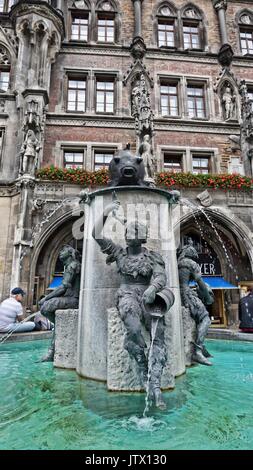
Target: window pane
(102,159)
(173,163)
(169,100)
(106,30)
(76,95)
(4,80)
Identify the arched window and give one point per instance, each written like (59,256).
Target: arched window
(80,21)
(5,67)
(193,28)
(245,24)
(107,22)
(166,26)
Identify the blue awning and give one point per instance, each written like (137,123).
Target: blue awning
(56,282)
(216,282)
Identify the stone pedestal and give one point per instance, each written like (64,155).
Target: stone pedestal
(66,322)
(99,284)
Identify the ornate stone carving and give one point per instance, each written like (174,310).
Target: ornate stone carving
(137,69)
(246,137)
(246,19)
(4,56)
(81,5)
(220,4)
(38,205)
(225,55)
(2,105)
(43,10)
(205,198)
(138,48)
(165,11)
(191,13)
(141,108)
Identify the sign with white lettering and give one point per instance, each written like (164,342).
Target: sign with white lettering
(209,265)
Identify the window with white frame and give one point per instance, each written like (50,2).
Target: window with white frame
(107,29)
(104,95)
(79,27)
(192,24)
(246,32)
(201,164)
(173,162)
(76,96)
(196,101)
(102,158)
(5,67)
(73,158)
(169,98)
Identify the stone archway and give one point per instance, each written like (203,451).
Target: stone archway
(226,223)
(233,248)
(46,252)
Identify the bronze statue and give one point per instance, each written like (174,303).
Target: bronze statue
(195,300)
(66,296)
(142,287)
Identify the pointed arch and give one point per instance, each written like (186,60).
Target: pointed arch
(108,23)
(244,21)
(55,233)
(193,24)
(5,68)
(166,25)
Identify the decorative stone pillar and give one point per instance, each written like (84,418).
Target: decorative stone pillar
(39,28)
(137,18)
(220,6)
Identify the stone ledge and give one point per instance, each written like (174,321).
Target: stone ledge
(30,336)
(220,333)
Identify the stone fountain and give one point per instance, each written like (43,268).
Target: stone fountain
(100,345)
(94,340)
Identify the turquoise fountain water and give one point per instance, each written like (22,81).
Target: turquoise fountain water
(46,408)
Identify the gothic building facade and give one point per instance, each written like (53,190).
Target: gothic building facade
(81,79)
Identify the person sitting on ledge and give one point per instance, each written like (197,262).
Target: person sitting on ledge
(11,314)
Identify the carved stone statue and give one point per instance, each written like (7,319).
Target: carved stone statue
(229,103)
(145,151)
(29,153)
(66,296)
(195,299)
(143,280)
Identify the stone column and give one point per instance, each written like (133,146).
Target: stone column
(137,18)
(220,6)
